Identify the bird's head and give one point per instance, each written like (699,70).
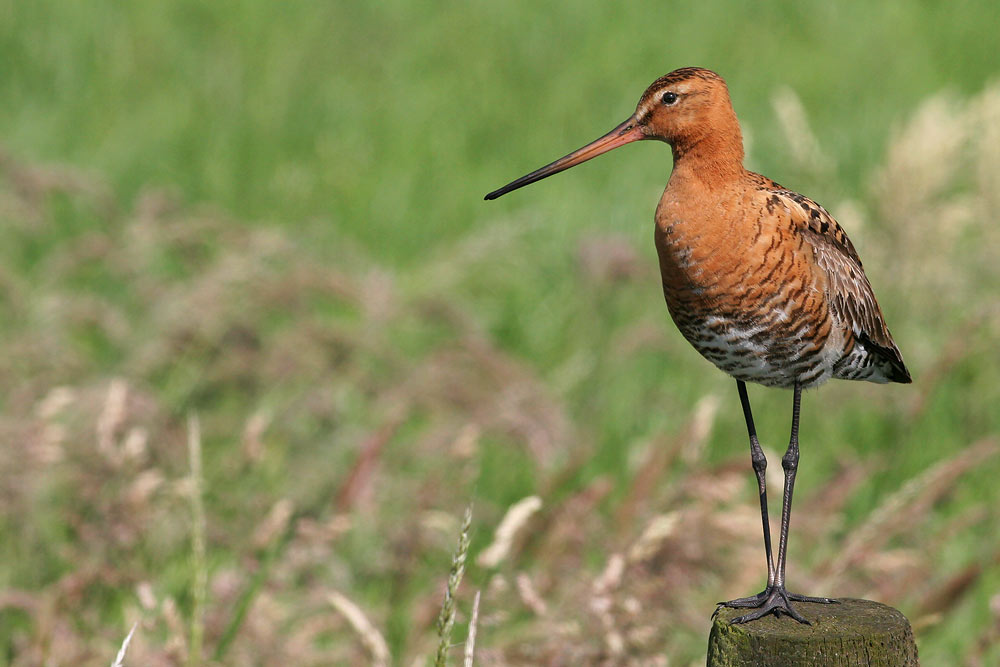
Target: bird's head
(682,108)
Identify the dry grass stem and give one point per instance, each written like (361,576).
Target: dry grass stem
(199,564)
(120,658)
(655,533)
(274,524)
(802,144)
(514,520)
(360,479)
(253,432)
(369,635)
(700,428)
(470,640)
(611,577)
(111,420)
(529,595)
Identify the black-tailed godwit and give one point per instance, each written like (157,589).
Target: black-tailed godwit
(762,281)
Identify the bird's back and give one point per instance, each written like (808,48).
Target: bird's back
(765,284)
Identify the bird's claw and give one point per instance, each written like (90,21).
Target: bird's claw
(772,600)
(751,601)
(795,597)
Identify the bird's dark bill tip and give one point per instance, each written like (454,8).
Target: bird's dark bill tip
(496,194)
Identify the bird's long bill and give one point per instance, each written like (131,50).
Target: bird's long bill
(625,133)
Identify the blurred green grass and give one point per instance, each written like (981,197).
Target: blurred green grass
(390,119)
(363,137)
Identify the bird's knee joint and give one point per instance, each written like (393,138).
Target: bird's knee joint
(790,461)
(758,462)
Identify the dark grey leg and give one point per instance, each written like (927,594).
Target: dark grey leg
(759,463)
(790,463)
(777,600)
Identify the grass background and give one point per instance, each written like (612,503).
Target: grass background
(269,214)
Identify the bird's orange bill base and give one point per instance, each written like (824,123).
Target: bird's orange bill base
(625,133)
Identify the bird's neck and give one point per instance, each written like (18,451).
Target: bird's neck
(713,157)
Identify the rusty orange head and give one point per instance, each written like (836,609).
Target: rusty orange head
(683,108)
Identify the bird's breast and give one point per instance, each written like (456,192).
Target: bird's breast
(743,292)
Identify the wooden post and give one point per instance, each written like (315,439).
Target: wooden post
(855,633)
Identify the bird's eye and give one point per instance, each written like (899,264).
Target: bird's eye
(669,98)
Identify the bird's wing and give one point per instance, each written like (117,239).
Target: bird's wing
(849,293)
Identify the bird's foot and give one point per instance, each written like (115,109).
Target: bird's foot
(772,600)
(739,603)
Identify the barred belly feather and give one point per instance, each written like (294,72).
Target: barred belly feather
(765,285)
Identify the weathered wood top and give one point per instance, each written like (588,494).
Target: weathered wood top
(853,633)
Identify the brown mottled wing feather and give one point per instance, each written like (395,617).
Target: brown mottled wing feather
(850,296)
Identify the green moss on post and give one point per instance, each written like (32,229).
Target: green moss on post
(854,633)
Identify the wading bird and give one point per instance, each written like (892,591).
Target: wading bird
(762,281)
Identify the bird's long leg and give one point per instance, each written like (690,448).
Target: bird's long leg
(790,463)
(778,600)
(759,463)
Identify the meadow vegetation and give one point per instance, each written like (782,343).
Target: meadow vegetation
(263,343)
